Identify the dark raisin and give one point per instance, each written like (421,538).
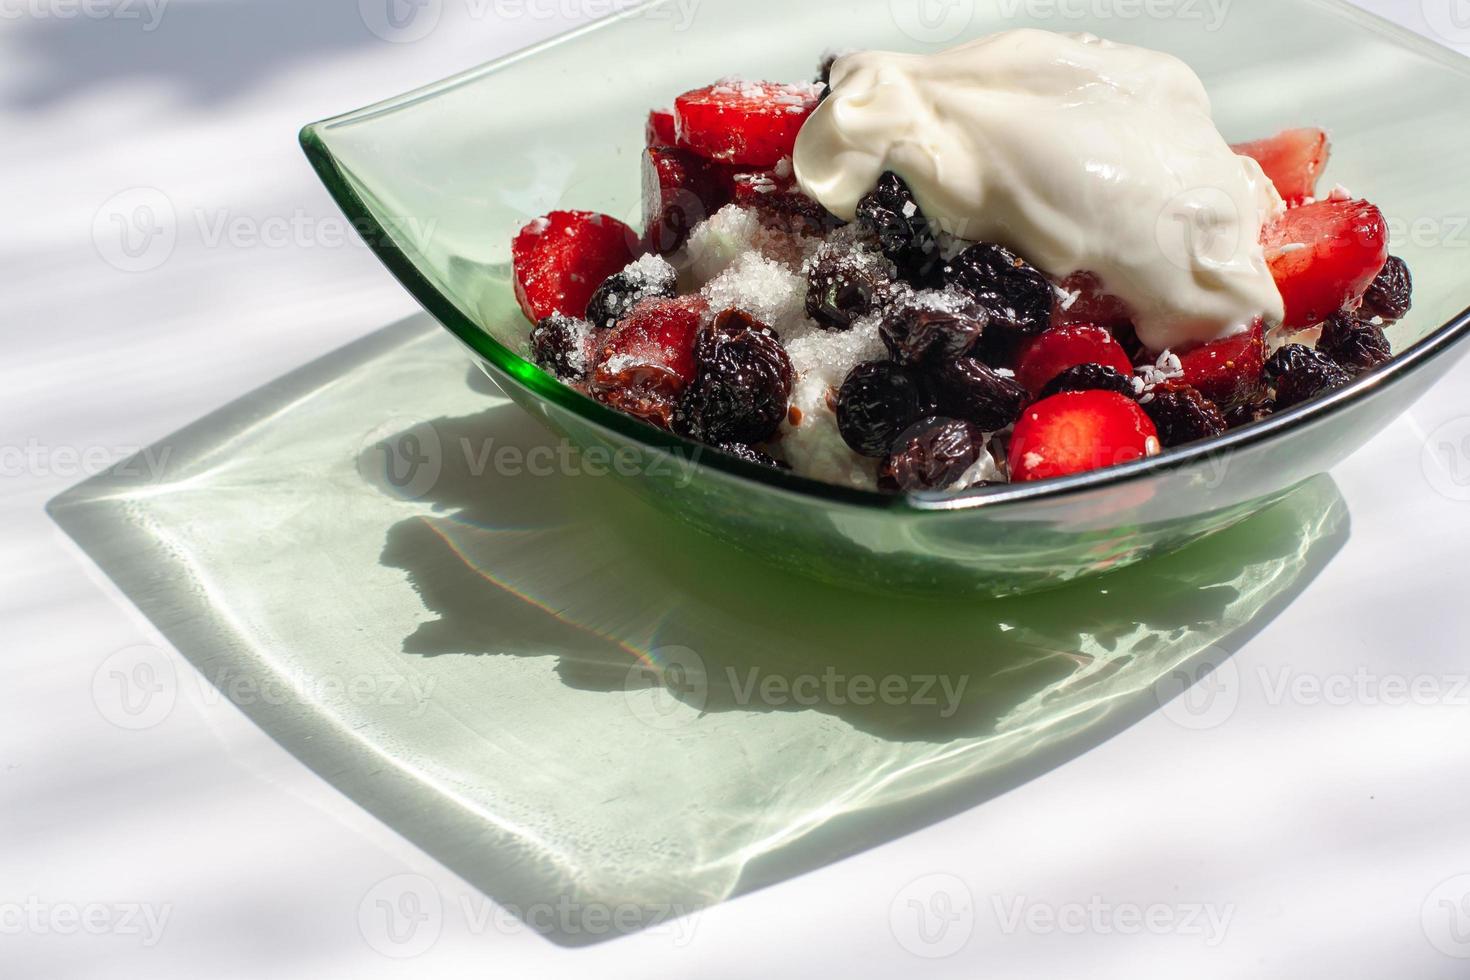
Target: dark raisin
(1000,348)
(970,390)
(1300,374)
(1253,408)
(1015,294)
(918,334)
(1089,377)
(1182,415)
(933,454)
(824,73)
(1127,337)
(620,292)
(877,402)
(751,455)
(742,383)
(564,346)
(1354,343)
(1392,293)
(793,213)
(845,286)
(891,212)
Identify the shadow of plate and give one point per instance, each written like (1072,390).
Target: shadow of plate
(582,708)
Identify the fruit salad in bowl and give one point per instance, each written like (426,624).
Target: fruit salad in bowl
(1025,258)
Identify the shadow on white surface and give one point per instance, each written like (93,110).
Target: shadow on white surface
(209,52)
(575,703)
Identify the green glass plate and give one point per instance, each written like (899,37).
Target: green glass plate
(579,708)
(440,179)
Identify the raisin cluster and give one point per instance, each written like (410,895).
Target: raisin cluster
(932,454)
(905,235)
(845,286)
(742,384)
(1014,293)
(619,293)
(564,346)
(1300,373)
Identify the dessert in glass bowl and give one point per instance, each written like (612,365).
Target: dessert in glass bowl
(1027,257)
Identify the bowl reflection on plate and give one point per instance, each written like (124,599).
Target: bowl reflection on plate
(441,178)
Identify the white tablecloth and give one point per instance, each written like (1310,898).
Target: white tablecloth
(1318,830)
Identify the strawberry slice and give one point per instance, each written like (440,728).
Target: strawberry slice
(780,204)
(559,260)
(1090,303)
(644,363)
(1225,371)
(752,186)
(1324,256)
(660,130)
(1050,353)
(1079,431)
(753,124)
(1293,160)
(679,191)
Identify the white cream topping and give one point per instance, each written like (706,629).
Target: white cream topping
(1075,152)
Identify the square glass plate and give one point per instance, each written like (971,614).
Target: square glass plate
(461,623)
(440,179)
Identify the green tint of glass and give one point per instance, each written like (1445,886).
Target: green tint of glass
(462,623)
(442,179)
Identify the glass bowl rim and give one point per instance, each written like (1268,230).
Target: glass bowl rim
(543,385)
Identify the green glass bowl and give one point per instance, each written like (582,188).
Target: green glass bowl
(439,180)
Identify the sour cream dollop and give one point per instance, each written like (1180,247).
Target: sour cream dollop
(1075,152)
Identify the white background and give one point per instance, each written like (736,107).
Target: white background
(1325,831)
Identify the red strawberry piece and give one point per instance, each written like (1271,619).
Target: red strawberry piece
(660,130)
(1225,371)
(1079,431)
(1050,353)
(780,203)
(1293,160)
(753,124)
(645,362)
(1092,303)
(1324,256)
(561,259)
(680,190)
(753,186)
